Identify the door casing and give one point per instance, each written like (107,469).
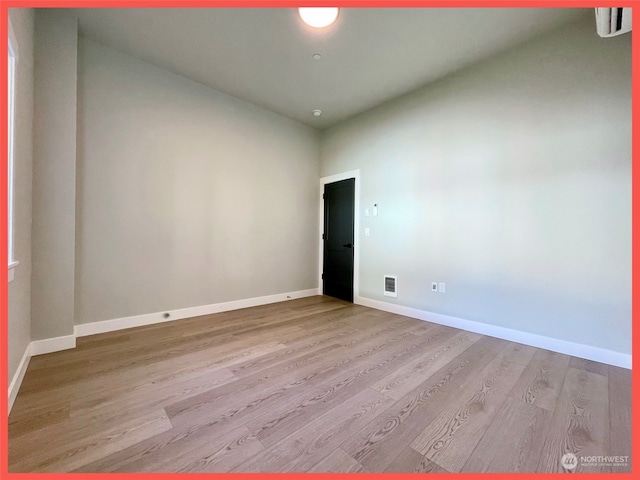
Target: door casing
(355,174)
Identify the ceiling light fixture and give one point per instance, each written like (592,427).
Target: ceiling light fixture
(318,17)
(317,56)
(317,113)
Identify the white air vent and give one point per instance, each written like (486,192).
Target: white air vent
(391,285)
(611,22)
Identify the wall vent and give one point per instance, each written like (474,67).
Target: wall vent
(611,22)
(391,285)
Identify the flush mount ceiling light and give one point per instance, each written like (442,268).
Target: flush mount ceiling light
(318,17)
(317,113)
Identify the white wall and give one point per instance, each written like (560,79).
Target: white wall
(511,182)
(186,196)
(54,173)
(21,21)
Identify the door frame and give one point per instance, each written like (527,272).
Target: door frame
(355,174)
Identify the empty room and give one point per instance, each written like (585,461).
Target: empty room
(319,240)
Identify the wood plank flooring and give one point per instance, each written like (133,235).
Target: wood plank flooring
(315,385)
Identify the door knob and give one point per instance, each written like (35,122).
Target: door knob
(348,245)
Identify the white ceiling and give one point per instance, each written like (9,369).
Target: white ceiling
(264,56)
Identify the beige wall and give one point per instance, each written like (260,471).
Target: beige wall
(21,21)
(186,196)
(54,173)
(511,182)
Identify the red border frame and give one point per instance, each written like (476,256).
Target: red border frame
(4,5)
(296,3)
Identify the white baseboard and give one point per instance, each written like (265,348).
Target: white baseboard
(50,345)
(555,345)
(104,326)
(19,376)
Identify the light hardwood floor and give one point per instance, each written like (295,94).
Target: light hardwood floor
(314,384)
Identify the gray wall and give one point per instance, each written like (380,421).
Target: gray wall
(511,182)
(186,196)
(54,173)
(20,288)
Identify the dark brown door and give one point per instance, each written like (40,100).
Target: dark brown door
(337,277)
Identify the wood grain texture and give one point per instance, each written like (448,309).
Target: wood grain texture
(249,392)
(69,449)
(589,366)
(313,384)
(410,461)
(343,384)
(304,448)
(580,423)
(452,436)
(378,444)
(405,379)
(542,380)
(338,461)
(151,453)
(526,426)
(202,448)
(620,417)
(38,418)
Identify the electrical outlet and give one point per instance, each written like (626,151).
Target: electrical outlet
(434,287)
(367,232)
(441,287)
